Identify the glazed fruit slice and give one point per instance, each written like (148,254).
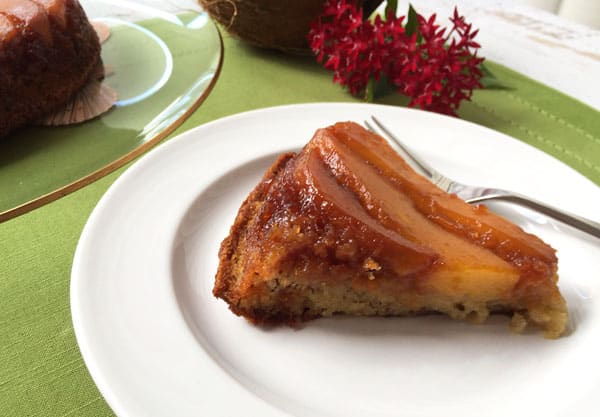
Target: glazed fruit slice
(347,227)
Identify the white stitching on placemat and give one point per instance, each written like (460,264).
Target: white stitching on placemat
(553,117)
(539,137)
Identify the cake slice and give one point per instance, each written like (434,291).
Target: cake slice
(346,226)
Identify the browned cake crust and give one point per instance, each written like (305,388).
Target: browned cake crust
(43,64)
(230,268)
(345,226)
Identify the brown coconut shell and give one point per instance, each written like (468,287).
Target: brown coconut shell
(275,24)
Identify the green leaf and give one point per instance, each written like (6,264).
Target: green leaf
(379,89)
(412,23)
(370,90)
(391,7)
(490,81)
(370,9)
(486,71)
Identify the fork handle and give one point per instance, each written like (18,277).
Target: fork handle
(585,225)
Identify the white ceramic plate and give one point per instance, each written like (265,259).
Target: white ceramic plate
(157,343)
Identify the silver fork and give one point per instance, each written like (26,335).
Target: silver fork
(474,194)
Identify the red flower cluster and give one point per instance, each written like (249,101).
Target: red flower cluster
(434,69)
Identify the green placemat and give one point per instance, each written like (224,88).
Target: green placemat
(41,370)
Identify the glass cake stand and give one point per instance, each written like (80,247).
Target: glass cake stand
(164,58)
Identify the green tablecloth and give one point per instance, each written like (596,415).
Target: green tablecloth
(41,370)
